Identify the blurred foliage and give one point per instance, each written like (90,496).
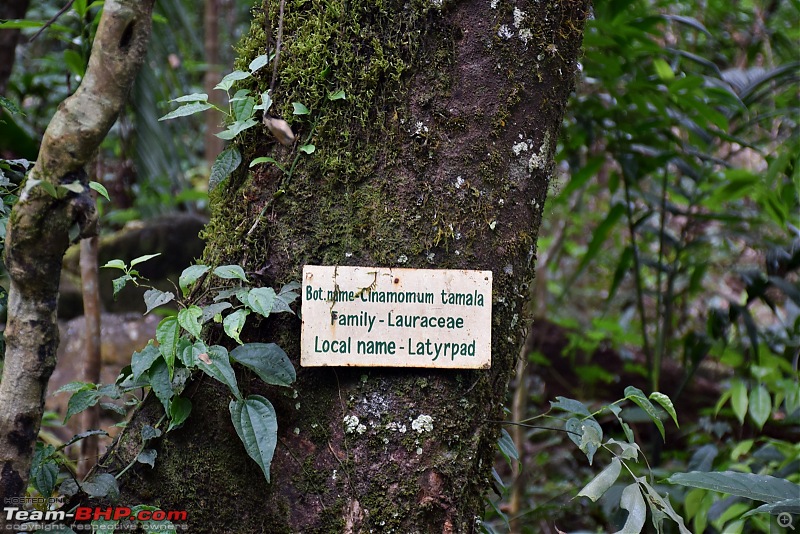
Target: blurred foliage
(673,235)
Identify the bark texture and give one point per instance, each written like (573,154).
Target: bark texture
(39,227)
(11,9)
(440,157)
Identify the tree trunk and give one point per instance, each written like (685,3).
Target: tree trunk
(39,227)
(440,157)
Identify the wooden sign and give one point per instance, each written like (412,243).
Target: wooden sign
(381,317)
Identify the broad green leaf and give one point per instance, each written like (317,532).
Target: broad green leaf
(189,276)
(760,405)
(268,361)
(637,396)
(188,317)
(665,403)
(186,110)
(161,383)
(308,149)
(586,434)
(337,95)
(629,451)
(506,445)
(81,400)
(227,162)
(228,81)
(216,364)
(179,410)
(600,484)
(234,323)
(243,105)
(119,284)
(194,97)
(230,272)
(764,488)
(258,62)
(633,502)
(168,332)
(148,456)
(571,405)
(660,508)
(100,188)
(257,426)
(266,102)
(299,109)
(153,298)
(663,70)
(236,128)
(788,506)
(142,259)
(115,264)
(148,432)
(75,385)
(739,400)
(212,310)
(74,62)
(142,361)
(261,299)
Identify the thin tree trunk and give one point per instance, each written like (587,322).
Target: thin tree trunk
(10,9)
(90,418)
(39,226)
(213,144)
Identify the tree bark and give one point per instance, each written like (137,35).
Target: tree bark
(440,157)
(39,227)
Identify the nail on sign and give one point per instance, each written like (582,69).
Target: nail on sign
(381,317)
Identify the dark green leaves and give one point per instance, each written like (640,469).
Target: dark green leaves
(267,360)
(227,162)
(257,426)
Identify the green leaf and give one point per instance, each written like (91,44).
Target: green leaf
(764,488)
(179,410)
(228,81)
(148,432)
(148,456)
(194,97)
(268,361)
(604,480)
(115,264)
(739,400)
(188,317)
(142,259)
(506,445)
(266,102)
(119,284)
(186,110)
(586,434)
(299,109)
(637,396)
(243,105)
(210,311)
(227,162)
(142,361)
(661,508)
(230,272)
(266,159)
(665,403)
(633,502)
(168,332)
(788,506)
(190,275)
(75,63)
(215,363)
(234,323)
(308,149)
(153,298)
(760,405)
(663,70)
(599,237)
(102,485)
(161,383)
(100,188)
(261,299)
(75,386)
(337,95)
(570,405)
(236,128)
(258,62)
(81,400)
(257,426)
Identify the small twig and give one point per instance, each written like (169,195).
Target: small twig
(55,18)
(277,49)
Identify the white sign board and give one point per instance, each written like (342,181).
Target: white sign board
(381,317)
